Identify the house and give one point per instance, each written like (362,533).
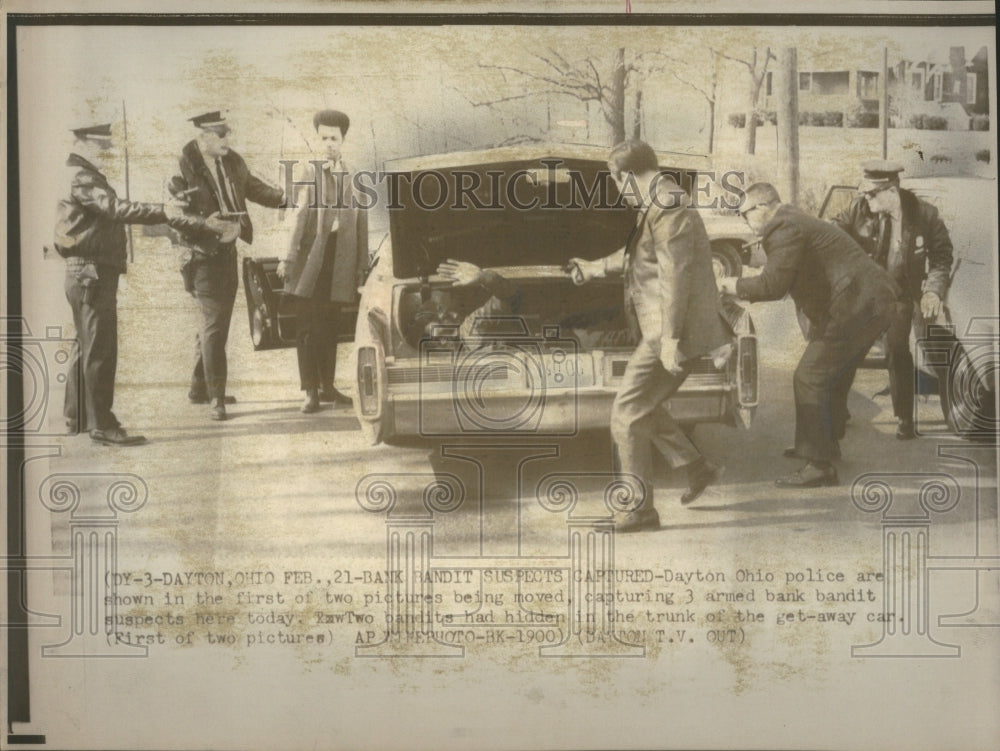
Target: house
(834,96)
(949,78)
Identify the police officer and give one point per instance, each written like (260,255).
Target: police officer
(846,298)
(90,235)
(905,236)
(214,180)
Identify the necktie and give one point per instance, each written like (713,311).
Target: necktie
(224,186)
(894,262)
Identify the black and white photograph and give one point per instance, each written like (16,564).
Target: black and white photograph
(616,375)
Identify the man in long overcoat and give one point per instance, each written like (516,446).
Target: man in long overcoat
(326,261)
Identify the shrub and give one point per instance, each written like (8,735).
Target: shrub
(833,119)
(979,122)
(983,155)
(738,120)
(772,117)
(935,122)
(917,121)
(863,120)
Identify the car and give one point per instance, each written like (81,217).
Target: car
(550,367)
(963,348)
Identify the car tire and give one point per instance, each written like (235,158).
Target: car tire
(968,401)
(726,259)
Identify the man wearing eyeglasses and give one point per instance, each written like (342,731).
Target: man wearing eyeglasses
(905,236)
(846,298)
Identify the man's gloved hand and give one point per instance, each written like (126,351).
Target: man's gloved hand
(227,229)
(282,270)
(930,305)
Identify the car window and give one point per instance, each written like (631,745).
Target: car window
(838,199)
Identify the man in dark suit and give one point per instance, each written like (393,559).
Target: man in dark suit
(326,261)
(848,302)
(90,235)
(905,236)
(214,180)
(672,305)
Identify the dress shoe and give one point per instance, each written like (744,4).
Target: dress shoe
(72,428)
(332,396)
(633,521)
(791,453)
(701,474)
(812,475)
(905,431)
(206,399)
(218,411)
(116,437)
(311,404)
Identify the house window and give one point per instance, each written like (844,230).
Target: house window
(867,85)
(917,80)
(805,81)
(970,88)
(956,86)
(937,83)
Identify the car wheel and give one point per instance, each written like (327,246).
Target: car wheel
(969,398)
(726,259)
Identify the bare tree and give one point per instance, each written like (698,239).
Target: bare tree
(756,66)
(581,80)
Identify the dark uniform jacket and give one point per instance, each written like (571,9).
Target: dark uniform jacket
(90,220)
(924,243)
(312,225)
(830,278)
(670,288)
(205,200)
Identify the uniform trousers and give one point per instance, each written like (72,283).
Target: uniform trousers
(90,390)
(215,283)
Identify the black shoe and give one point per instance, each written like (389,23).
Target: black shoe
(116,437)
(633,521)
(791,453)
(311,404)
(700,475)
(72,428)
(812,475)
(218,411)
(905,431)
(332,396)
(206,399)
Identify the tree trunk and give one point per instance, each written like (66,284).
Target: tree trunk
(614,113)
(751,131)
(637,116)
(711,127)
(788,125)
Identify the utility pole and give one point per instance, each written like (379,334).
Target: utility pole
(884,103)
(788,125)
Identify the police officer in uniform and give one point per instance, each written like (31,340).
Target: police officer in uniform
(215,181)
(905,236)
(90,235)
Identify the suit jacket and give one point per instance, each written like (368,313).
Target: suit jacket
(311,227)
(670,288)
(924,243)
(205,200)
(830,278)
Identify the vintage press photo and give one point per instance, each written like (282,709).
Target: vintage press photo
(420,382)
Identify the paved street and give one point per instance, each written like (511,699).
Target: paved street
(272,492)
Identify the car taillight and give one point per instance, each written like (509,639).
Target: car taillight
(368,380)
(746,353)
